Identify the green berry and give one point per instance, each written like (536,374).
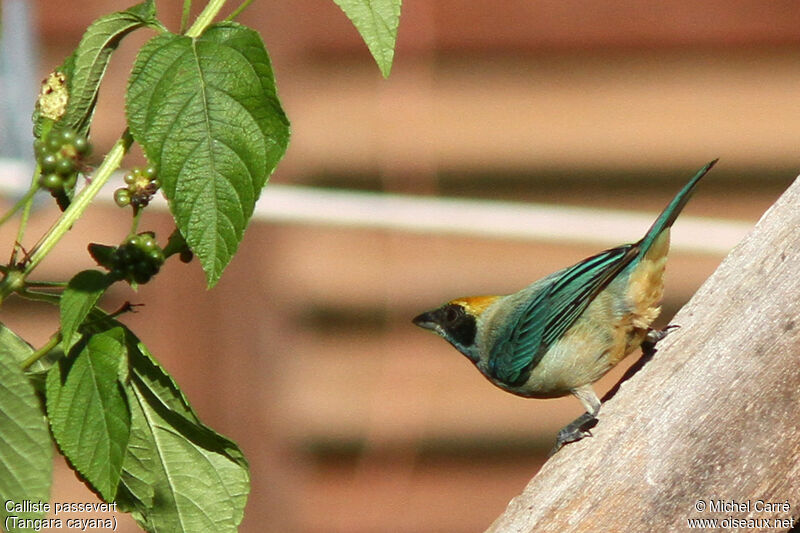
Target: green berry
(68,136)
(39,148)
(122,197)
(129,178)
(150,172)
(136,260)
(123,255)
(49,162)
(65,166)
(53,182)
(53,143)
(82,145)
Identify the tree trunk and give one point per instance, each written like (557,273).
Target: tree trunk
(710,427)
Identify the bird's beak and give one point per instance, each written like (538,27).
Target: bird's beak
(425,320)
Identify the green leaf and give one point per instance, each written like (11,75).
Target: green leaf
(178,474)
(26,452)
(208,116)
(80,296)
(87,64)
(377,22)
(88,410)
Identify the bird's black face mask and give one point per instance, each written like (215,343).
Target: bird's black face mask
(454,324)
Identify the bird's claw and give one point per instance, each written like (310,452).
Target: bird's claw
(575,431)
(653,337)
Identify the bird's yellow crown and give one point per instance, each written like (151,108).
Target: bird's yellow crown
(475,305)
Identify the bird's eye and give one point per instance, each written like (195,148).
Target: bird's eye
(451,314)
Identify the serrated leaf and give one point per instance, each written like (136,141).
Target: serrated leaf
(178,474)
(88,409)
(26,452)
(87,64)
(377,22)
(80,296)
(207,114)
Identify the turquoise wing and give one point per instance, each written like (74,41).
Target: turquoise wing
(551,312)
(565,295)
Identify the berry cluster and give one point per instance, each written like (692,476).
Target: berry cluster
(142,184)
(60,156)
(136,260)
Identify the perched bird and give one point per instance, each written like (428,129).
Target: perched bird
(564,332)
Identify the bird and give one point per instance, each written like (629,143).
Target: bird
(560,334)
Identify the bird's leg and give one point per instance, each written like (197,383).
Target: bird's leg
(653,337)
(579,428)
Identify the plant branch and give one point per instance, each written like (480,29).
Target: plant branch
(44,350)
(20,203)
(137,216)
(25,203)
(23,222)
(238,10)
(187,6)
(40,296)
(205,18)
(46,284)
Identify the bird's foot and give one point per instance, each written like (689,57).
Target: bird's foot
(575,431)
(653,337)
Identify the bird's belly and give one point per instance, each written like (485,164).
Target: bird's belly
(580,358)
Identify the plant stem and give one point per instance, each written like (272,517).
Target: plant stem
(137,216)
(25,203)
(238,10)
(47,284)
(23,223)
(205,17)
(26,213)
(44,350)
(41,296)
(175,245)
(21,202)
(187,7)
(74,211)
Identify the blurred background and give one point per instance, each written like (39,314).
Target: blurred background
(353,420)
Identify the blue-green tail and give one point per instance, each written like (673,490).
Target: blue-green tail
(671,212)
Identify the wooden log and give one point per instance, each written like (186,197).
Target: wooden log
(707,429)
